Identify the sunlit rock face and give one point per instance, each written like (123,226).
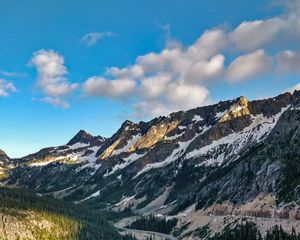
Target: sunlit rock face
(155,134)
(240,108)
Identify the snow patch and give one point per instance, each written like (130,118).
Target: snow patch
(78,145)
(133,157)
(130,142)
(295,108)
(95,194)
(259,129)
(197,118)
(178,152)
(174,137)
(220,114)
(90,160)
(125,201)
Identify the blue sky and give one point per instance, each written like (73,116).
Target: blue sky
(69,65)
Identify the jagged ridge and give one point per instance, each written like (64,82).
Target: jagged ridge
(189,157)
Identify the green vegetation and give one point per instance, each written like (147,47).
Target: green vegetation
(64,220)
(249,231)
(278,234)
(290,190)
(115,216)
(152,223)
(178,231)
(202,232)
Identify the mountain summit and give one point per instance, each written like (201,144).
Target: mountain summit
(240,108)
(3,156)
(81,137)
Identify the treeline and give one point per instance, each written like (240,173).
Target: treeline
(155,224)
(277,233)
(249,231)
(289,186)
(74,221)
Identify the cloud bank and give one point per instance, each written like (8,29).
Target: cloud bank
(177,77)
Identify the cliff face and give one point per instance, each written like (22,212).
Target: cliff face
(231,151)
(239,109)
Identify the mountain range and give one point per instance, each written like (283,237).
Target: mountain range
(208,167)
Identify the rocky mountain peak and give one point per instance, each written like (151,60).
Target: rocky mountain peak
(242,100)
(3,156)
(120,140)
(127,126)
(81,137)
(238,109)
(127,123)
(4,161)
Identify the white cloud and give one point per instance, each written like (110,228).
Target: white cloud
(209,44)
(280,30)
(181,96)
(251,35)
(168,60)
(293,18)
(249,66)
(90,39)
(6,87)
(146,109)
(57,102)
(204,70)
(99,86)
(170,79)
(288,61)
(155,86)
(51,72)
(135,71)
(177,96)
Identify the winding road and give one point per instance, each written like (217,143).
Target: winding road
(157,235)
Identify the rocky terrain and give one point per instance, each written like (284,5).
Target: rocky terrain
(218,159)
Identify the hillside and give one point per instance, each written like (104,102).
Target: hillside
(27,216)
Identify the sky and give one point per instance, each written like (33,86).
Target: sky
(67,65)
